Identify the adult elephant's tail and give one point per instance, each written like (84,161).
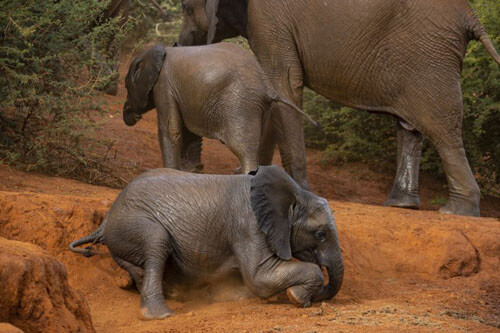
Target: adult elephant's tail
(294,107)
(94,238)
(477,32)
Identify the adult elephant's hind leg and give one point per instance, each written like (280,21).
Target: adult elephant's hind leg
(292,146)
(281,63)
(157,249)
(464,193)
(445,132)
(404,192)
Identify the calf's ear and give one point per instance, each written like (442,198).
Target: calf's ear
(272,193)
(142,76)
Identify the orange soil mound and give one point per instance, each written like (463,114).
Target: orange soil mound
(35,292)
(8,328)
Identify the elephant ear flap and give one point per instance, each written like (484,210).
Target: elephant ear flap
(143,74)
(211,8)
(272,193)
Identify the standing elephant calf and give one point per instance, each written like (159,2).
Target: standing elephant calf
(217,91)
(189,228)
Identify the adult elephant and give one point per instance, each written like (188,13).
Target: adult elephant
(402,58)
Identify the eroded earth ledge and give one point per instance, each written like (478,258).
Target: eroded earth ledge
(35,294)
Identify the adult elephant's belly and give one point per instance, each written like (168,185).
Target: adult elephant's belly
(365,58)
(372,81)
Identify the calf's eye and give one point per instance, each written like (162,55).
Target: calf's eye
(320,235)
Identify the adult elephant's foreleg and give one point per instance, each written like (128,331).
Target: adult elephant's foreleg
(404,192)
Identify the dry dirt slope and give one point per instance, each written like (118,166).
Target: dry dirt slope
(405,270)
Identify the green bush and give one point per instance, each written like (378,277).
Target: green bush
(351,135)
(48,73)
(152,24)
(481,91)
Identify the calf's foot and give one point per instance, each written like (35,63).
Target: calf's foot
(155,310)
(299,296)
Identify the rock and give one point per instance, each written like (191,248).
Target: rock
(8,328)
(459,257)
(54,221)
(34,292)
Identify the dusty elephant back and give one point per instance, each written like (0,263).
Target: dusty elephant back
(196,66)
(159,184)
(168,198)
(217,88)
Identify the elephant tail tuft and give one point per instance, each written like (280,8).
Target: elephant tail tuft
(95,238)
(477,32)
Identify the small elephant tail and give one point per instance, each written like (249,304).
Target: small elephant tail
(477,32)
(94,238)
(286,102)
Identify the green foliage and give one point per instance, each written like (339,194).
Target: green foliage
(351,135)
(481,90)
(151,23)
(438,201)
(53,54)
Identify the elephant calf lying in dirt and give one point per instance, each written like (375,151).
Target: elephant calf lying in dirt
(216,91)
(189,229)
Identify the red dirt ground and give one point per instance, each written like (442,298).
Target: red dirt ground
(405,270)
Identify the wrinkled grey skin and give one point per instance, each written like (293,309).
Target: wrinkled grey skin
(216,91)
(397,57)
(191,229)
